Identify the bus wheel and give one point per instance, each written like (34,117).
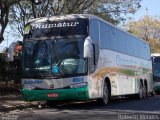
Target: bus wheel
(144,91)
(140,94)
(105,99)
(153,93)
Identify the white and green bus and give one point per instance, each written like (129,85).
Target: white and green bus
(82,57)
(156,71)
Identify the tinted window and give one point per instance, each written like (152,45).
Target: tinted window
(119,41)
(94,31)
(54,57)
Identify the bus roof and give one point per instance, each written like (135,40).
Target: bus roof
(61,17)
(72,16)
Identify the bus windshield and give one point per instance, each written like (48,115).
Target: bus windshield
(156,67)
(53,58)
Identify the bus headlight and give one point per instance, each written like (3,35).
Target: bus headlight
(78,85)
(29,87)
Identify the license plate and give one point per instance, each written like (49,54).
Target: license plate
(52,95)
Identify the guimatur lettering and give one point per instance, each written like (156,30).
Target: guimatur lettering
(61,24)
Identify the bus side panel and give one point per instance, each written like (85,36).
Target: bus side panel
(123,58)
(123,71)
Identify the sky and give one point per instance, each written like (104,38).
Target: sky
(152,6)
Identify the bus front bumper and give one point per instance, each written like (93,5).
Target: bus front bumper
(57,94)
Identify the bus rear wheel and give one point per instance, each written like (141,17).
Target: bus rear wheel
(144,91)
(153,93)
(140,94)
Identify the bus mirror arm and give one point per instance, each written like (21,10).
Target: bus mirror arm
(87,47)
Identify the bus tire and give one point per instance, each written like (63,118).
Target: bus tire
(153,93)
(105,99)
(140,94)
(144,90)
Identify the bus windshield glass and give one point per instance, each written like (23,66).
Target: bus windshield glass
(156,66)
(54,57)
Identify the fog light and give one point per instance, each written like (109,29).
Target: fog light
(28,87)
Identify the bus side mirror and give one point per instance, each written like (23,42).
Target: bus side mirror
(10,54)
(14,50)
(87,47)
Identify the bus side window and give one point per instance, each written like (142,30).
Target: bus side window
(93,60)
(94,55)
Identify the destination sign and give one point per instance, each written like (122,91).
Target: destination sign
(62,28)
(54,25)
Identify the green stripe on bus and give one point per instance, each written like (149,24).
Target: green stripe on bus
(58,94)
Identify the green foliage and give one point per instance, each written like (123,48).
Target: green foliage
(5,6)
(148,29)
(19,12)
(3,63)
(111,10)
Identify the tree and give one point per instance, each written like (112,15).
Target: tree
(2,61)
(148,29)
(5,6)
(4,11)
(3,64)
(111,10)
